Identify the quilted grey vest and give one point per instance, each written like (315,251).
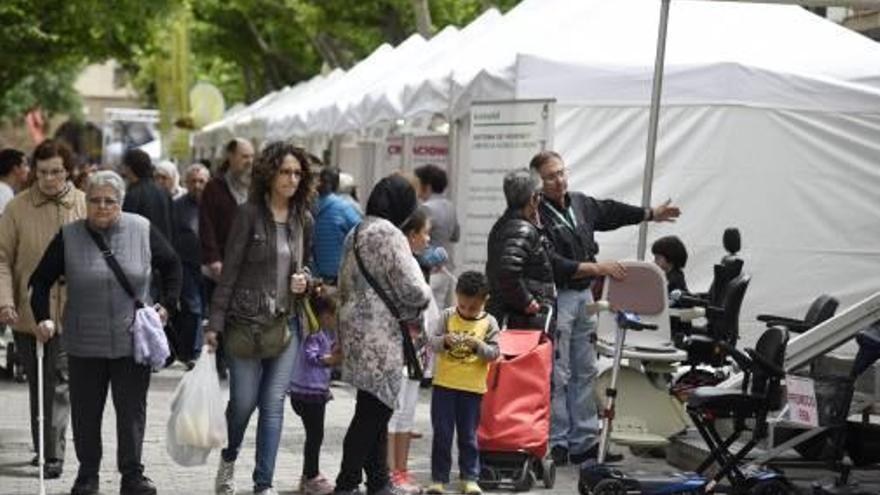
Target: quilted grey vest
(99,313)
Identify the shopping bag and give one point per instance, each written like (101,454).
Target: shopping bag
(197,423)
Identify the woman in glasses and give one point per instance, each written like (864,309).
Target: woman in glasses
(27,225)
(257,305)
(98,316)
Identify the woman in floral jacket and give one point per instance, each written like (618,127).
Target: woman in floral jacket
(370,336)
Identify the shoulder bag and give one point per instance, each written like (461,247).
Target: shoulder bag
(250,340)
(410,357)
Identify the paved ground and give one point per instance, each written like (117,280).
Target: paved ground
(18,477)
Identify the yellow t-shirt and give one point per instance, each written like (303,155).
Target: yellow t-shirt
(460,367)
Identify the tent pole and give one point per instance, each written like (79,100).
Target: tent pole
(653,121)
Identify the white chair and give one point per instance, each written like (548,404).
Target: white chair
(642,292)
(646,413)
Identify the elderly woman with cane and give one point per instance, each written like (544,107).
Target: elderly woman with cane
(27,226)
(97,323)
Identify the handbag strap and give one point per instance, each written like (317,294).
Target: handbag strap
(414,369)
(372,281)
(114,266)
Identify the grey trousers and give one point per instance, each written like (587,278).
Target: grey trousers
(56,399)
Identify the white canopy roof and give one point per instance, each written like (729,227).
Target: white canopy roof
(787,55)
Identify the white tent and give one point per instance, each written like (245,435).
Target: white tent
(770,122)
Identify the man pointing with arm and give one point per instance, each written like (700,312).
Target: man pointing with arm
(570,220)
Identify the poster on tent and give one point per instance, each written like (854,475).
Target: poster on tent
(431,149)
(503,136)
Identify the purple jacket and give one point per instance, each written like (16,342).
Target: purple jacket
(310,377)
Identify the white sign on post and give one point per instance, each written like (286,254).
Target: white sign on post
(802,405)
(504,136)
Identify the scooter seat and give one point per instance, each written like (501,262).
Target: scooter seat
(724,402)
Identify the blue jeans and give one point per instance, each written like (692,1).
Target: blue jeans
(455,411)
(574,419)
(263,383)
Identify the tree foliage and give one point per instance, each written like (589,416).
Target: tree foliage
(251,47)
(46,40)
(245,47)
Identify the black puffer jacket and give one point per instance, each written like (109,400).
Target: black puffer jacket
(518,267)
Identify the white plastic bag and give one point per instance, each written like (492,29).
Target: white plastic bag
(197,423)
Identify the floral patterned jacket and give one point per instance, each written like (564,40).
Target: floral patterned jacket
(372,346)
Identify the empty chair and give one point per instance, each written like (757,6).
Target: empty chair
(761,393)
(821,309)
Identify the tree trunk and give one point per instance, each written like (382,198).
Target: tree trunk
(423,17)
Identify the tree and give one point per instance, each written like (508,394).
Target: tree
(42,37)
(423,17)
(251,47)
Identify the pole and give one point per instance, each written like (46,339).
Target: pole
(653,121)
(41,421)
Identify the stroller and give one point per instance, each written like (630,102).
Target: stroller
(515,414)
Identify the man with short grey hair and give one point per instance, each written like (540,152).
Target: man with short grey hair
(518,267)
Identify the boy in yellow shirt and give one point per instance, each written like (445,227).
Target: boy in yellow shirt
(465,340)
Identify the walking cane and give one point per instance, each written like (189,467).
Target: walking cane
(41,454)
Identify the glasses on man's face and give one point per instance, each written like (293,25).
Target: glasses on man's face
(103,202)
(555,176)
(54,172)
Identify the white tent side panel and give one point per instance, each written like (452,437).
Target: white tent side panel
(802,187)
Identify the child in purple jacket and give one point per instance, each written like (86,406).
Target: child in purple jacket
(310,390)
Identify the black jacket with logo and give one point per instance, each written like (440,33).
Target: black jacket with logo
(572,246)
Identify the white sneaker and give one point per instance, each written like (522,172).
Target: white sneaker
(266,491)
(224,483)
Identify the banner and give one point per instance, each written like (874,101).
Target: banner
(425,150)
(504,136)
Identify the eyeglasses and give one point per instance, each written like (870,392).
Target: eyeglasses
(555,176)
(103,202)
(55,172)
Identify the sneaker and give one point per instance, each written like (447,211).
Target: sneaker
(319,485)
(406,483)
(266,491)
(470,487)
(435,489)
(389,489)
(224,483)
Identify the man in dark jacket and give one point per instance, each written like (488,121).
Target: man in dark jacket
(570,219)
(144,196)
(518,267)
(220,200)
(192,298)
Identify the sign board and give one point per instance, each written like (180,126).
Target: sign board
(503,136)
(425,150)
(802,400)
